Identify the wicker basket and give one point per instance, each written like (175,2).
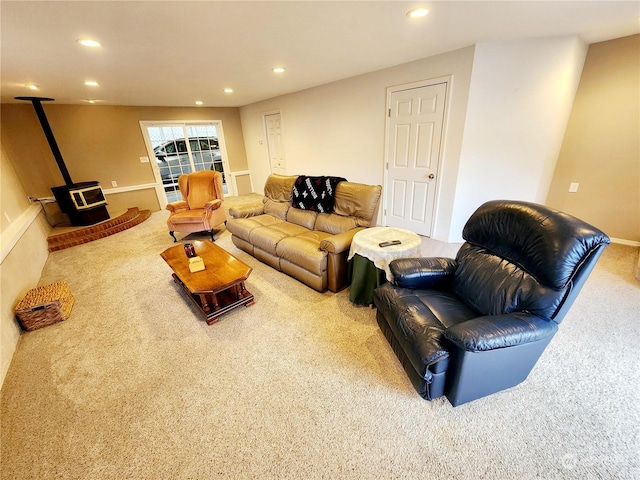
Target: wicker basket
(45,305)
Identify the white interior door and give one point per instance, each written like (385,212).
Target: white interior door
(414,138)
(273,125)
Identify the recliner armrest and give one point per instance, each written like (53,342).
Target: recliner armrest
(177,206)
(246,211)
(340,242)
(213,204)
(500,331)
(422,273)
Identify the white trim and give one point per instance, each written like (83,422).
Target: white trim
(622,241)
(12,235)
(129,188)
(144,124)
(240,173)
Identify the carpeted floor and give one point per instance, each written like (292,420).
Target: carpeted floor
(135,385)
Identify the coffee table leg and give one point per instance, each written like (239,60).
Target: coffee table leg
(214,300)
(203,302)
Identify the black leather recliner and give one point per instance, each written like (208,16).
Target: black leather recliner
(477,324)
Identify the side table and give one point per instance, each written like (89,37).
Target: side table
(369,262)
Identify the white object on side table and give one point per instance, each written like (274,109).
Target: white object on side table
(366,243)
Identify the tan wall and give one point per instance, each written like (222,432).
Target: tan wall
(102,143)
(601,147)
(13,198)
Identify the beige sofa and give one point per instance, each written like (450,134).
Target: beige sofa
(309,246)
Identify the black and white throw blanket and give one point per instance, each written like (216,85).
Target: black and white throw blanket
(315,193)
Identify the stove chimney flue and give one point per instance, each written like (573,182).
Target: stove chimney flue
(37,105)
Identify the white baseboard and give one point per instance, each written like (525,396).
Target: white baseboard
(622,241)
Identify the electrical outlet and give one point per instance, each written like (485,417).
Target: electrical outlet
(114,183)
(573,187)
(144,159)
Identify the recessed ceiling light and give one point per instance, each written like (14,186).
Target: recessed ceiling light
(91,100)
(31,86)
(91,83)
(418,13)
(278,70)
(228,90)
(87,42)
(199,102)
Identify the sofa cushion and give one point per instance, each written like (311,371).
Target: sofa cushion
(334,224)
(304,218)
(189,216)
(315,193)
(267,238)
(242,227)
(279,187)
(276,209)
(303,250)
(357,200)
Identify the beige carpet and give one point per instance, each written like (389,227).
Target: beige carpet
(135,385)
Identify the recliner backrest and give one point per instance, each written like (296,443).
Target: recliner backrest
(279,188)
(522,256)
(200,187)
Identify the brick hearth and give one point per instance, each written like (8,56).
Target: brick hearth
(130,218)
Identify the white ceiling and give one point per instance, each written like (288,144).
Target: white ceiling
(174,53)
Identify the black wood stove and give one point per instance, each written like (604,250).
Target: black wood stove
(83,202)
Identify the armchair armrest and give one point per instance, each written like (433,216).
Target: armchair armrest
(246,211)
(500,331)
(213,204)
(422,273)
(340,242)
(174,207)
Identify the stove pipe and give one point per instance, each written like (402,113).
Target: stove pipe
(37,105)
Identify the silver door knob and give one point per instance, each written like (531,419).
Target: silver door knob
(432,176)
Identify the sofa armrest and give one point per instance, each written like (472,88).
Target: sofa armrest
(500,331)
(422,273)
(246,211)
(175,207)
(340,242)
(213,205)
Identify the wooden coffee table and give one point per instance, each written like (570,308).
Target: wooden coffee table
(217,289)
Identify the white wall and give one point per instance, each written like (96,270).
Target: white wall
(339,128)
(519,104)
(504,130)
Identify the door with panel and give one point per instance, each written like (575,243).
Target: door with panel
(273,125)
(414,143)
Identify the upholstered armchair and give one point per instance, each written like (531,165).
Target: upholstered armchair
(477,324)
(201,208)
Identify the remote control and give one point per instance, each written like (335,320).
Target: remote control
(389,243)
